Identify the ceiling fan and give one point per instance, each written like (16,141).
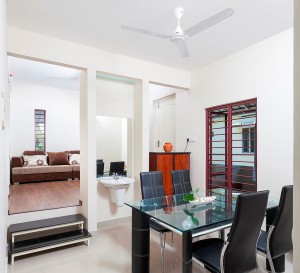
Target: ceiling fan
(179,37)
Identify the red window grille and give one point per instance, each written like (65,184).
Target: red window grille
(231,149)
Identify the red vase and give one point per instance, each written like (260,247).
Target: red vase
(168,147)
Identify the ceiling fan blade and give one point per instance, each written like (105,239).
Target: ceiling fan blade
(183,49)
(147,32)
(209,22)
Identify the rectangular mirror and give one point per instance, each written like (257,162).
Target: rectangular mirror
(114,143)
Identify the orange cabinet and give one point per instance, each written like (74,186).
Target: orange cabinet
(166,162)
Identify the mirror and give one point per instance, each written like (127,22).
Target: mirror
(114,142)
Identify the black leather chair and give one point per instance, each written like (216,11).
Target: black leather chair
(238,253)
(278,240)
(152,187)
(181,181)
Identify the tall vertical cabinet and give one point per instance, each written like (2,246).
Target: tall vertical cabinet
(166,162)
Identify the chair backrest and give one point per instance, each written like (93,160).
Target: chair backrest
(240,253)
(152,184)
(117,167)
(100,167)
(181,181)
(281,236)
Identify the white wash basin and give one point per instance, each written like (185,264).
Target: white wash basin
(116,187)
(119,183)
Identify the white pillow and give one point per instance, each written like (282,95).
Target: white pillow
(74,159)
(35,160)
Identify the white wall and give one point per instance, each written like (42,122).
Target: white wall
(264,71)
(296,231)
(4,166)
(115,100)
(62,117)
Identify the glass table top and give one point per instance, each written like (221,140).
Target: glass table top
(182,215)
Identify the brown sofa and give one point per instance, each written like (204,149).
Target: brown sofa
(55,170)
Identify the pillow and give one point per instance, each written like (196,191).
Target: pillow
(35,160)
(74,159)
(74,152)
(58,158)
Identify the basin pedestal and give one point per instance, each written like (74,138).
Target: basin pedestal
(117,196)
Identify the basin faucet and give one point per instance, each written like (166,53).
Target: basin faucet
(116,176)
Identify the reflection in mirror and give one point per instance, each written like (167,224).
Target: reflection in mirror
(114,143)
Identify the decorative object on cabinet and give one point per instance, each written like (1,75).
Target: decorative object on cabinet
(168,147)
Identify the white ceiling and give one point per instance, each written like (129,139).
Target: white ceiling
(31,72)
(96,23)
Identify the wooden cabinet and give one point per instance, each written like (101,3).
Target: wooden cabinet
(166,162)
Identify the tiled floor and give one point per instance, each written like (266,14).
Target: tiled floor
(109,252)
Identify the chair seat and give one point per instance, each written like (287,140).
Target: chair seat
(157,227)
(262,242)
(209,252)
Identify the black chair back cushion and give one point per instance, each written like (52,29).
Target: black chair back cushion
(152,184)
(240,254)
(181,181)
(281,237)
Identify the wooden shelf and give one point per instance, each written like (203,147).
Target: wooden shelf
(40,241)
(166,162)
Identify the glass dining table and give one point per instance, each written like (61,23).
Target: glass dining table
(187,219)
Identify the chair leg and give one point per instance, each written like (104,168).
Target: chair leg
(172,238)
(222,234)
(259,269)
(162,236)
(271,264)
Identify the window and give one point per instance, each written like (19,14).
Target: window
(40,129)
(231,149)
(248,140)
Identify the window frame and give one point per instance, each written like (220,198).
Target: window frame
(229,181)
(249,147)
(36,113)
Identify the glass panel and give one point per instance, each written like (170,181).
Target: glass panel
(175,212)
(245,140)
(231,161)
(39,119)
(252,141)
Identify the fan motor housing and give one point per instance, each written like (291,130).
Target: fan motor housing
(178,38)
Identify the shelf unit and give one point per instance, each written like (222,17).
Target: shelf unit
(40,240)
(166,162)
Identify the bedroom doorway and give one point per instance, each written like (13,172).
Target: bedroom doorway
(164,122)
(44,136)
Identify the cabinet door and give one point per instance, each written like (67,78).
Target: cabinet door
(181,161)
(165,165)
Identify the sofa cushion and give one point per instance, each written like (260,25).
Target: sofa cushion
(42,169)
(58,158)
(35,160)
(34,153)
(74,152)
(74,159)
